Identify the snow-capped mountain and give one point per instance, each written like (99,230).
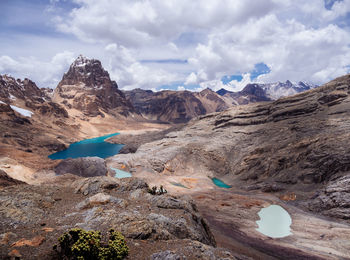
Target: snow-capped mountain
(275,90)
(283,89)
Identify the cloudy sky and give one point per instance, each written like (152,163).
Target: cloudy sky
(178,44)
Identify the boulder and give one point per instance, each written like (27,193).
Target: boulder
(84,167)
(95,185)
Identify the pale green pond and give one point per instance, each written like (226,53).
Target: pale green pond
(121,174)
(274,222)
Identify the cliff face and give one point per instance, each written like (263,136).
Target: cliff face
(88,88)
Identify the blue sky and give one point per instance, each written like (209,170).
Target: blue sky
(156,44)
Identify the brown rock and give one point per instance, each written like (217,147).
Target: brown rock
(34,242)
(14,253)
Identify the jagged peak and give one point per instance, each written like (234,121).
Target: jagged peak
(81,61)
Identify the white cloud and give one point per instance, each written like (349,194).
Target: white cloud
(291,49)
(130,74)
(233,85)
(44,74)
(135,23)
(298,40)
(191,79)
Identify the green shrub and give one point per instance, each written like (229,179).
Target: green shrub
(80,244)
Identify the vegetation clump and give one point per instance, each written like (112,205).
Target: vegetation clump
(79,244)
(156,191)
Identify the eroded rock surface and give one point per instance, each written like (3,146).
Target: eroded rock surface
(38,215)
(334,199)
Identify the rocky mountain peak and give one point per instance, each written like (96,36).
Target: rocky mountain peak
(88,72)
(253,89)
(86,86)
(81,61)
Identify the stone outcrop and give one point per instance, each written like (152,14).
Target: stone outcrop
(84,167)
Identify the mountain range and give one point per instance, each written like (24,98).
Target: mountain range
(86,90)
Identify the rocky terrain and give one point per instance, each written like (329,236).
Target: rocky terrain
(295,148)
(155,226)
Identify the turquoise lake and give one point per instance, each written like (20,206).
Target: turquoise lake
(274,222)
(89,148)
(220,183)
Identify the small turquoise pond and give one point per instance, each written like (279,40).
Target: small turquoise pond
(274,222)
(121,174)
(220,183)
(88,148)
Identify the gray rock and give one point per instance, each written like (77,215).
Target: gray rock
(334,199)
(99,199)
(166,255)
(84,167)
(94,185)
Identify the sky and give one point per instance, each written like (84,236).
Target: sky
(178,44)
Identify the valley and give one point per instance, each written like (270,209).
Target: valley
(221,156)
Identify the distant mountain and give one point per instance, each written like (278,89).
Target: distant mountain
(175,106)
(250,94)
(283,89)
(275,90)
(12,89)
(223,91)
(181,106)
(88,88)
(26,95)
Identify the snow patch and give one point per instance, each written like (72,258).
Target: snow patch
(2,102)
(12,97)
(22,111)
